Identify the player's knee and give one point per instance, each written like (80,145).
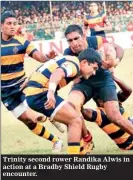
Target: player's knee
(76,105)
(28,122)
(23,117)
(112,111)
(26,119)
(114,116)
(76,121)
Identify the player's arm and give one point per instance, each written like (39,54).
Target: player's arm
(107,24)
(85,25)
(125,91)
(37,55)
(119,52)
(107,27)
(25,83)
(67,69)
(55,78)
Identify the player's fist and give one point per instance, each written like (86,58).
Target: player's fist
(52,54)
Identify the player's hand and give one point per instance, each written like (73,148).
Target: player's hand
(107,64)
(52,54)
(24,84)
(50,104)
(97,28)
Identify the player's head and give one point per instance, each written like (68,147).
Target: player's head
(108,55)
(8,23)
(98,101)
(90,61)
(75,38)
(93,7)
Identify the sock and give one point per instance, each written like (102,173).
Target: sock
(40,130)
(88,143)
(73,148)
(82,149)
(88,137)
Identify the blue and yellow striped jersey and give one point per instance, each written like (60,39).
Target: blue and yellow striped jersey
(39,80)
(12,59)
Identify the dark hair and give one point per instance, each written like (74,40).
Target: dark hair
(73,28)
(94,2)
(91,56)
(6,15)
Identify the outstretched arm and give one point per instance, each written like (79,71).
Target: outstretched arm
(125,91)
(37,55)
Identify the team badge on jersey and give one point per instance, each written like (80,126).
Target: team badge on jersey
(15,50)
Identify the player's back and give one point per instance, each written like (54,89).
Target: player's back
(70,65)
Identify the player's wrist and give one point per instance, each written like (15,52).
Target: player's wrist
(52,87)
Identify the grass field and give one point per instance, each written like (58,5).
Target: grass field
(17,139)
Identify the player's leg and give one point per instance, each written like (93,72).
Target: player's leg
(29,117)
(74,125)
(79,94)
(64,113)
(109,96)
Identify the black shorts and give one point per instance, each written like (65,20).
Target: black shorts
(13,99)
(101,84)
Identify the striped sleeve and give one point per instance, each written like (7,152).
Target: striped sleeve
(71,66)
(30,48)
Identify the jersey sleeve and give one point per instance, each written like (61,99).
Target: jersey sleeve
(85,21)
(71,67)
(30,48)
(67,51)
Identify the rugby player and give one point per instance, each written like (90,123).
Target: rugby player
(122,139)
(102,82)
(96,22)
(41,91)
(77,43)
(13,50)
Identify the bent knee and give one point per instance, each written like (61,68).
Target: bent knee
(76,121)
(28,122)
(76,99)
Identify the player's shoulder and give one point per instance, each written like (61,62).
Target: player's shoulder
(68,51)
(72,58)
(92,41)
(20,39)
